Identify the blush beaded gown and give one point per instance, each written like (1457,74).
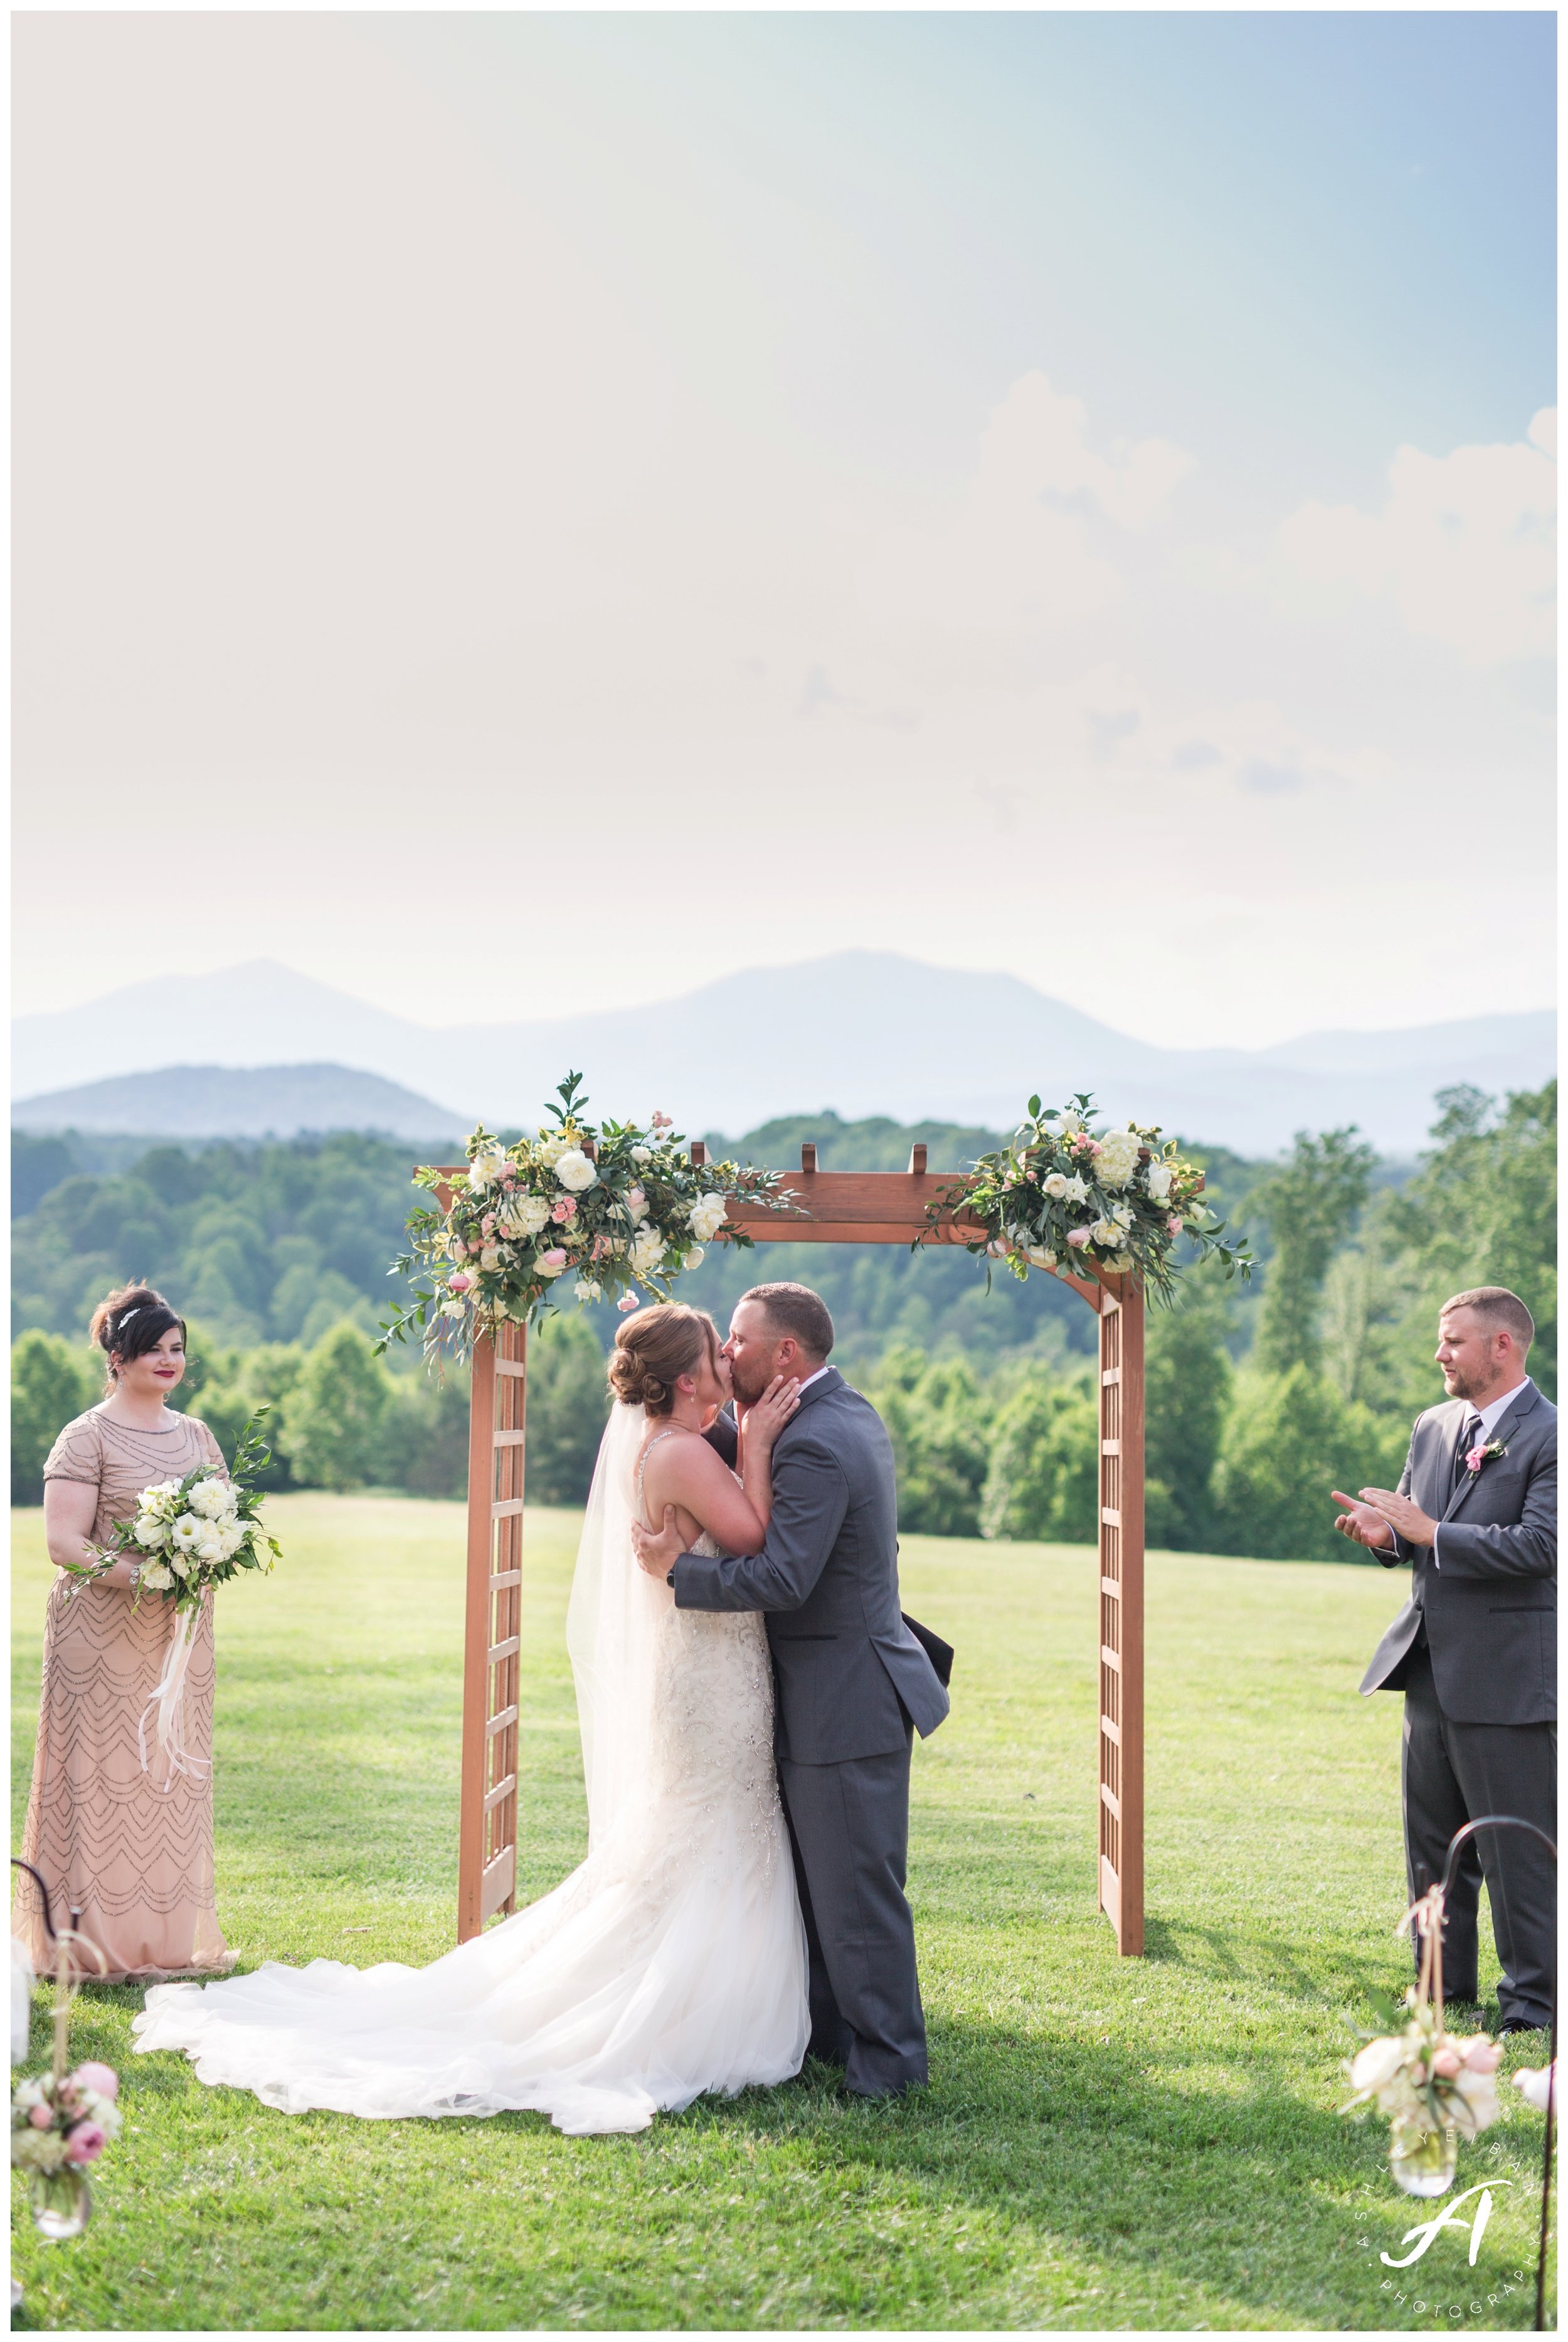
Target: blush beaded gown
(671,1963)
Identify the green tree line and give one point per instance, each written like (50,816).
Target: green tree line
(1257,1399)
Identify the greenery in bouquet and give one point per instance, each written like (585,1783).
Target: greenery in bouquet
(1064,1196)
(605,1209)
(189,1535)
(65,2125)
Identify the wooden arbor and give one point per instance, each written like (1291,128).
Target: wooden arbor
(839,1207)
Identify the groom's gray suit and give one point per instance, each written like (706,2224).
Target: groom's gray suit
(851,1683)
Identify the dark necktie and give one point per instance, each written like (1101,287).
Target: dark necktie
(1467,1439)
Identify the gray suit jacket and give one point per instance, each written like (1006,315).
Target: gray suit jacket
(1490,1600)
(846,1668)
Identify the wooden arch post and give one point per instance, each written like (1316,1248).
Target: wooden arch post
(837,1207)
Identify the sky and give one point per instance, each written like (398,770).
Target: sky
(517,513)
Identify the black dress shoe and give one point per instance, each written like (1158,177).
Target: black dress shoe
(1524,2024)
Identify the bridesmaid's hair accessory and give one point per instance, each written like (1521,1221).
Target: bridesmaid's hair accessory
(653,1348)
(114,1332)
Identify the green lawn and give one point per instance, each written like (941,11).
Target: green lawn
(1105,2143)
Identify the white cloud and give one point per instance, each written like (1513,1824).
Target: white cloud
(1466,547)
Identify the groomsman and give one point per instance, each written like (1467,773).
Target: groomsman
(1474,1649)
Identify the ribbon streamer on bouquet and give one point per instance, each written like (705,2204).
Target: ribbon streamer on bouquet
(168,1704)
(1425,1917)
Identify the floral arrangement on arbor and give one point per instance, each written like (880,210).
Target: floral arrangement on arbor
(605,1209)
(1064,1196)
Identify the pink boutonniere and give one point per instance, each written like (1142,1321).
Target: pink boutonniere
(1477,1456)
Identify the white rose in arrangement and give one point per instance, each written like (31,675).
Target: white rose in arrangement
(179,1565)
(1159,1181)
(231,1537)
(206,1499)
(1196,1210)
(525,1217)
(1056,1184)
(587,1290)
(158,1577)
(490,1256)
(1123,1214)
(209,1546)
(642,1154)
(485,1172)
(1075,1192)
(707,1217)
(184,1533)
(1118,1157)
(551,1262)
(574,1171)
(1040,1256)
(552,1144)
(694,1257)
(161,1498)
(647,1251)
(149,1531)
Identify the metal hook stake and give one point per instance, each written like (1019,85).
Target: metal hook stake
(1512,1821)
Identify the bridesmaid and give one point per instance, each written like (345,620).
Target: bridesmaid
(137,1860)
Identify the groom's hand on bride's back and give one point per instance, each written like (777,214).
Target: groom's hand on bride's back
(657,1555)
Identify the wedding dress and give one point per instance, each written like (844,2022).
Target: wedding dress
(672,1961)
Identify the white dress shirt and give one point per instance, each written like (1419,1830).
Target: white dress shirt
(1491,1415)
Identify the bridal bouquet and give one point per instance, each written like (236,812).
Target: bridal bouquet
(1064,1196)
(187,1535)
(58,2128)
(608,1207)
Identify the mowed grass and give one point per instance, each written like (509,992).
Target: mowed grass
(1105,2143)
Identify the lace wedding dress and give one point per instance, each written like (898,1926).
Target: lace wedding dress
(672,1961)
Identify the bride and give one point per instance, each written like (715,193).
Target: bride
(673,1960)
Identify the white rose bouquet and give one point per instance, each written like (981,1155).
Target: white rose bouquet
(597,1210)
(1061,1197)
(187,1535)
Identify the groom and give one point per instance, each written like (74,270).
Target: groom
(852,1681)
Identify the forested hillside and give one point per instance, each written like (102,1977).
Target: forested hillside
(1258,1396)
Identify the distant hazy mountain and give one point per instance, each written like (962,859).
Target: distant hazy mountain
(218,1102)
(862,1032)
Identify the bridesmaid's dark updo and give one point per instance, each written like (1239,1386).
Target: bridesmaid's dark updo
(653,1348)
(132,1322)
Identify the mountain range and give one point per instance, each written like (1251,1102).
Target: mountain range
(860,1032)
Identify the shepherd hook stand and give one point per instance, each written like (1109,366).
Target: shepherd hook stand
(1512,1821)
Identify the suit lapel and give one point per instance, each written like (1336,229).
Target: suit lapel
(831,1380)
(1503,1429)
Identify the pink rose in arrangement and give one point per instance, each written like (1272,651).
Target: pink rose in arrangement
(459,1282)
(664,1122)
(1481,2055)
(86,2144)
(563,1211)
(627,1301)
(1475,1458)
(601,1248)
(554,1261)
(1174,1226)
(1077,1238)
(487,1224)
(40,2117)
(1446,2062)
(102,2079)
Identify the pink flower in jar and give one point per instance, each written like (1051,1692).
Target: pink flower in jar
(41,2118)
(86,2144)
(91,2076)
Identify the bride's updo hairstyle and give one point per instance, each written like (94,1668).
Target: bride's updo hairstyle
(656,1347)
(132,1322)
